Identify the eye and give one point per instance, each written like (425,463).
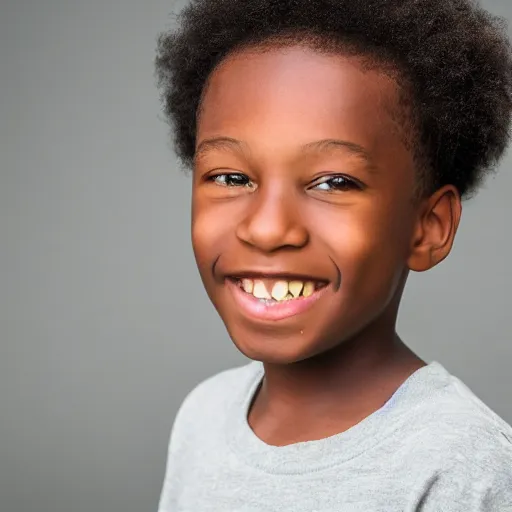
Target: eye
(336,183)
(231,180)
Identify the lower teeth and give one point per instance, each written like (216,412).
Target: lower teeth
(273,301)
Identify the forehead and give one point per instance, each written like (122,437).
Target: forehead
(292,95)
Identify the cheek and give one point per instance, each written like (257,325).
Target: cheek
(370,247)
(211,230)
(204,235)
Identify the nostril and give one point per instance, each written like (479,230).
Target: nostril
(270,236)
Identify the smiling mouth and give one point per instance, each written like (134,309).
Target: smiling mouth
(278,290)
(265,298)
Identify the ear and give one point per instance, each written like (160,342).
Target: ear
(435,229)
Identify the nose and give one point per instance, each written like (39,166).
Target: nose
(273,222)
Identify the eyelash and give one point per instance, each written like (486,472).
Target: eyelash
(225,175)
(344,183)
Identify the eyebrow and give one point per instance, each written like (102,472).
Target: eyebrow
(207,145)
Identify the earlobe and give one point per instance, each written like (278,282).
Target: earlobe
(435,230)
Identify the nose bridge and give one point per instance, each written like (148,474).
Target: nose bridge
(274,199)
(273,219)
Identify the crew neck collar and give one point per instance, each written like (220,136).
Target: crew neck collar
(311,456)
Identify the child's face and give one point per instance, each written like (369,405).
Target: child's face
(341,215)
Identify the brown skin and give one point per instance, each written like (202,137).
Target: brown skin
(331,366)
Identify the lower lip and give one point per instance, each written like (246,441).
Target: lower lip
(273,311)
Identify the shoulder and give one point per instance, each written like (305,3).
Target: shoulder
(467,460)
(216,387)
(446,407)
(465,437)
(465,419)
(213,396)
(465,447)
(463,424)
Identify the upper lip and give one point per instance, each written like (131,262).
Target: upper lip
(267,274)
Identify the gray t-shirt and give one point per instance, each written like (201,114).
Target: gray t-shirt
(434,446)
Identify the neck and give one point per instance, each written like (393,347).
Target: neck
(329,393)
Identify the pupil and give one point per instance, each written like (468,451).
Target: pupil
(236,179)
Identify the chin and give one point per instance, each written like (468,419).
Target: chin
(269,348)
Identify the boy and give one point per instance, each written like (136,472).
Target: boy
(331,142)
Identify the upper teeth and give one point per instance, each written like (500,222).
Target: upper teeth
(259,290)
(281,290)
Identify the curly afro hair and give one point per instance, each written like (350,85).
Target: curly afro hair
(453,60)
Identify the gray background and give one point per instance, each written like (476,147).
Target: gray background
(104,325)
